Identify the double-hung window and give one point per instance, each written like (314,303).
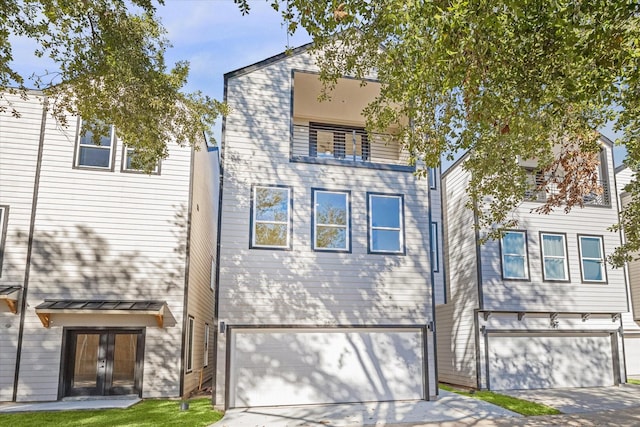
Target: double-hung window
(513,246)
(331,220)
(592,263)
(554,256)
(95,151)
(271,217)
(386,223)
(132,162)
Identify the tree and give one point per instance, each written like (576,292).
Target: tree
(502,79)
(111,69)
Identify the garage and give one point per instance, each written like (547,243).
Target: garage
(270,367)
(522,361)
(632,354)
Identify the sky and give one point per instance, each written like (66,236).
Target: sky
(214,37)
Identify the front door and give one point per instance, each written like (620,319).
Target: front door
(103,362)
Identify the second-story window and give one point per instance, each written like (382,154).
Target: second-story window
(592,263)
(271,217)
(331,220)
(386,228)
(131,164)
(513,246)
(435,262)
(95,151)
(554,257)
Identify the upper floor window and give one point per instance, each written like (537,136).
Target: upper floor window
(95,151)
(331,220)
(592,263)
(434,247)
(271,217)
(554,257)
(433,176)
(386,228)
(4,216)
(513,246)
(131,163)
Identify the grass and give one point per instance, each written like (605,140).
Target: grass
(149,413)
(523,407)
(632,381)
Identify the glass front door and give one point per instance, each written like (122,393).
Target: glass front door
(103,362)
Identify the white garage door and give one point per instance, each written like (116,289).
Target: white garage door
(290,367)
(632,353)
(531,361)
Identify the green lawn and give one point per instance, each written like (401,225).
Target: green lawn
(149,413)
(523,407)
(631,381)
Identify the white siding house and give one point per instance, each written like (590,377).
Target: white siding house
(325,288)
(631,319)
(101,264)
(539,308)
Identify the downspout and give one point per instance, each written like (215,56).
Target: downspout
(25,285)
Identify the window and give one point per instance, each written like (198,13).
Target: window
(271,216)
(190,334)
(4,217)
(514,255)
(212,274)
(331,220)
(433,175)
(554,257)
(435,262)
(206,345)
(95,151)
(131,164)
(385,219)
(592,264)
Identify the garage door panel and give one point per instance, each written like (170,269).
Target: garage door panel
(285,368)
(520,362)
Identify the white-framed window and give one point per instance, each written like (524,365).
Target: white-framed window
(386,228)
(592,262)
(435,261)
(554,256)
(4,217)
(271,217)
(206,345)
(129,163)
(190,335)
(513,247)
(331,220)
(94,151)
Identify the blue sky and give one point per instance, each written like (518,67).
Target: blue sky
(215,38)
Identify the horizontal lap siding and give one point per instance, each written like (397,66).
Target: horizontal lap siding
(111,235)
(19,140)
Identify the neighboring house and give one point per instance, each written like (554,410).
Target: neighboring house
(106,283)
(325,287)
(539,308)
(631,319)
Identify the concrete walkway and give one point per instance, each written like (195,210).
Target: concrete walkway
(449,407)
(71,404)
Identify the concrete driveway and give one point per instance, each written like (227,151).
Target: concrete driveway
(449,407)
(582,400)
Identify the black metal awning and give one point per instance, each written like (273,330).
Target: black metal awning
(72,306)
(10,294)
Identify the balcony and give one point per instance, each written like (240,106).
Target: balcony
(348,146)
(537,193)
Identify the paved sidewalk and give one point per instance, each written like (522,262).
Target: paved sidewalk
(69,405)
(449,407)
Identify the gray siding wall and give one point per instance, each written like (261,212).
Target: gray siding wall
(204,221)
(455,320)
(436,217)
(101,234)
(303,287)
(19,140)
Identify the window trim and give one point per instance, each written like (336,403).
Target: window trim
(76,153)
(434,247)
(603,260)
(370,250)
(189,348)
(314,224)
(566,256)
(123,162)
(4,219)
(207,332)
(253,222)
(526,258)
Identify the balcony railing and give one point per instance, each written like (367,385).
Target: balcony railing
(537,193)
(346,144)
